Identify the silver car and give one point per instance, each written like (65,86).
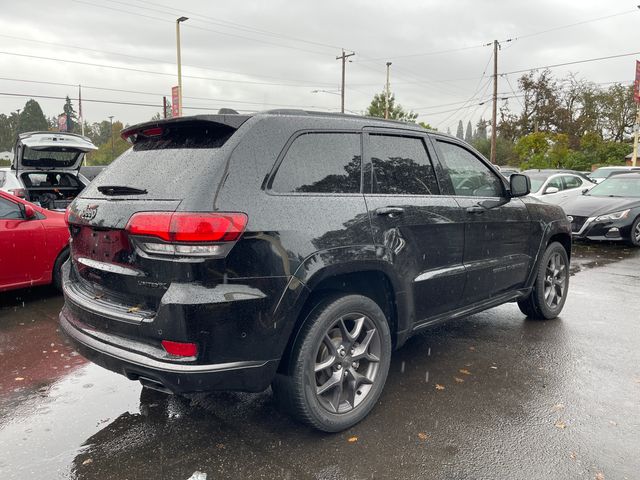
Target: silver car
(556,187)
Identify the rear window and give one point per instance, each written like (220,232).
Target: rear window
(51,157)
(51,179)
(168,165)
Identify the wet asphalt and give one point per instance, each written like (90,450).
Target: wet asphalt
(493,396)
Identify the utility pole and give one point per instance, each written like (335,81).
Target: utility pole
(386,94)
(112,150)
(178,22)
(80,111)
(164,107)
(494,112)
(343,57)
(634,159)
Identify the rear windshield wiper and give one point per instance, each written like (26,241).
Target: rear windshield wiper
(120,190)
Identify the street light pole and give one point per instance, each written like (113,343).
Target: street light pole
(112,150)
(386,94)
(178,22)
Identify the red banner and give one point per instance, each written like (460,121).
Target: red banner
(175,101)
(636,85)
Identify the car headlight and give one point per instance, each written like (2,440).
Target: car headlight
(613,216)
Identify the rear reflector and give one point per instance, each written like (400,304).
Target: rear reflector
(188,227)
(180,349)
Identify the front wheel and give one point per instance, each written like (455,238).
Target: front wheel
(550,287)
(634,236)
(339,364)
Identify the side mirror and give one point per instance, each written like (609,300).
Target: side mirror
(519,185)
(29,212)
(549,190)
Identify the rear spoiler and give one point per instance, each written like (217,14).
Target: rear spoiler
(155,128)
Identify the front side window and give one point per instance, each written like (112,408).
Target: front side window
(9,210)
(401,166)
(555,182)
(321,163)
(469,175)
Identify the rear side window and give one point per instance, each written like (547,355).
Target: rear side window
(321,163)
(2,178)
(401,166)
(571,182)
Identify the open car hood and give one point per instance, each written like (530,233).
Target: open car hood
(51,151)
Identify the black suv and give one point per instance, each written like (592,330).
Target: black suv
(297,249)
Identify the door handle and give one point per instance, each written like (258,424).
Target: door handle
(476,209)
(391,211)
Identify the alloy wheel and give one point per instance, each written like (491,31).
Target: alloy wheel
(555,280)
(346,363)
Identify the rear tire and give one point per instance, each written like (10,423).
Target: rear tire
(338,364)
(634,234)
(550,287)
(57,268)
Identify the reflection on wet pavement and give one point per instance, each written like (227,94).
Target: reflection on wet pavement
(494,396)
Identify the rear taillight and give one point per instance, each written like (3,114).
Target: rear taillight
(186,233)
(18,192)
(180,349)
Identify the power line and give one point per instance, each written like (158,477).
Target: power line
(597,59)
(155,60)
(166,74)
(232,25)
(200,28)
(138,92)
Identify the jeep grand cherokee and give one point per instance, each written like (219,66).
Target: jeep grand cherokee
(297,249)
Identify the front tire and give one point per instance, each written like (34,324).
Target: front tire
(550,287)
(338,365)
(634,234)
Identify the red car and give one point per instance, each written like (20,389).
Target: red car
(34,243)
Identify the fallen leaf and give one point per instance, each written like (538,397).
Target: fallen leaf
(19,379)
(494,367)
(220,446)
(599,476)
(557,407)
(134,309)
(87,461)
(613,423)
(464,371)
(473,349)
(573,455)
(352,439)
(439,387)
(423,436)
(458,379)
(561,425)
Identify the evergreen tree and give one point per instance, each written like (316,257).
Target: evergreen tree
(468,136)
(481,130)
(460,131)
(72,117)
(32,119)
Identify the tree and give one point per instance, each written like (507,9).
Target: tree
(427,126)
(396,112)
(31,118)
(468,136)
(104,156)
(543,150)
(481,129)
(72,118)
(460,130)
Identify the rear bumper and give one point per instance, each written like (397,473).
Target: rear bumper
(250,376)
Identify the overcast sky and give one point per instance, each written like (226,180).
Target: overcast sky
(255,55)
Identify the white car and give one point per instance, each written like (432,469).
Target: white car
(556,187)
(602,173)
(45,168)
